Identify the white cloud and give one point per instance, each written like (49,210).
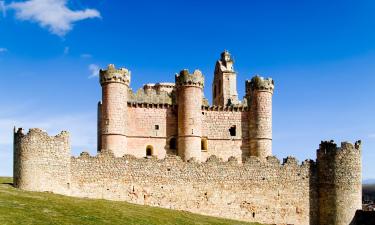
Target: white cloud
(2,50)
(94,70)
(51,14)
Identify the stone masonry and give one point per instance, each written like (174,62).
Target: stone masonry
(165,146)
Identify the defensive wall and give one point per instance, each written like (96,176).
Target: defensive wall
(267,191)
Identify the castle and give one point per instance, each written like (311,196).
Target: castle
(165,146)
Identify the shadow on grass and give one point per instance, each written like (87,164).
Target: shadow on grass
(7,183)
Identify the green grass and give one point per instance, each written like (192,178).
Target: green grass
(22,207)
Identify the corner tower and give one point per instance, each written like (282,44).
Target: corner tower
(189,100)
(259,93)
(224,87)
(339,182)
(113,121)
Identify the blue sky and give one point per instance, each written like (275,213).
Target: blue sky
(321,55)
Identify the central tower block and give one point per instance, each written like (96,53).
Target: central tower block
(224,87)
(113,116)
(189,94)
(259,93)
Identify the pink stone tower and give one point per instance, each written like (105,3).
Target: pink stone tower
(259,93)
(189,94)
(113,115)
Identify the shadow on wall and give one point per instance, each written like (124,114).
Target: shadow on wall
(363,218)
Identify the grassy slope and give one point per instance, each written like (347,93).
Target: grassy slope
(21,207)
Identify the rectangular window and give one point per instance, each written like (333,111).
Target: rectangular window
(156,127)
(232,131)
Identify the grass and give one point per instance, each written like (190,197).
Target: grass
(22,207)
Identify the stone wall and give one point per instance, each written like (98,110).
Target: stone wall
(326,193)
(151,125)
(262,191)
(216,128)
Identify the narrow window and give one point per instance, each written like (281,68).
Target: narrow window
(149,150)
(173,144)
(156,127)
(204,144)
(232,131)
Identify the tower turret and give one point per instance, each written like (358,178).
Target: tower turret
(224,87)
(115,85)
(189,95)
(339,182)
(259,93)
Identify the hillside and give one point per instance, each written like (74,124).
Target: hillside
(368,192)
(21,207)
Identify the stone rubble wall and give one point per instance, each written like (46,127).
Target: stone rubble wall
(261,191)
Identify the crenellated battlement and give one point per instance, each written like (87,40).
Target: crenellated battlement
(113,75)
(152,94)
(184,78)
(330,148)
(38,134)
(212,160)
(260,83)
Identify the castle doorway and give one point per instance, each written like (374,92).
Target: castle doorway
(149,150)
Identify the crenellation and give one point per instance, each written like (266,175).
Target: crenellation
(165,146)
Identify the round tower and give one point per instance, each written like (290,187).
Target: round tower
(41,162)
(115,85)
(259,93)
(339,182)
(189,100)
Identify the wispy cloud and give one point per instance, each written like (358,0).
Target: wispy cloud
(94,70)
(66,50)
(2,50)
(2,8)
(371,135)
(51,14)
(86,56)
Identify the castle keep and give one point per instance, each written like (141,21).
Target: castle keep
(165,146)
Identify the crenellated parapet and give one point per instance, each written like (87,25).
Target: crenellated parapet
(113,75)
(184,78)
(260,84)
(160,93)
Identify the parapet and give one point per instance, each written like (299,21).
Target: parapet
(185,78)
(36,132)
(149,94)
(113,75)
(260,83)
(330,147)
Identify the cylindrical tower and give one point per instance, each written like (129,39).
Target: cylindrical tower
(115,84)
(41,162)
(189,101)
(259,93)
(340,182)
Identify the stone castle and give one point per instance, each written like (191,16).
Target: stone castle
(165,146)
